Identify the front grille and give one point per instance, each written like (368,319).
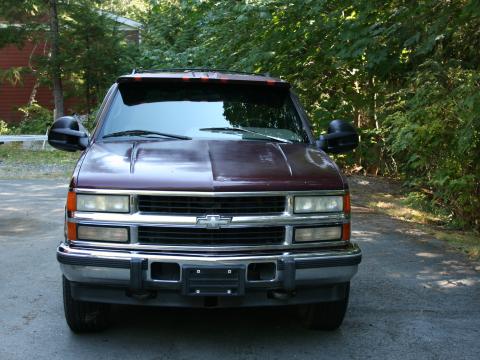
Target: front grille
(197,236)
(199,205)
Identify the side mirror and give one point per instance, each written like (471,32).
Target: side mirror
(341,137)
(67,134)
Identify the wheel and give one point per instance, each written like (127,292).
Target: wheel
(325,315)
(83,316)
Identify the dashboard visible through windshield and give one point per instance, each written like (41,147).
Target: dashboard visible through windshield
(203,111)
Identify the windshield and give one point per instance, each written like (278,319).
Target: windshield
(203,111)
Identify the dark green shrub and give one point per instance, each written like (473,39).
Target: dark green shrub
(435,138)
(36,120)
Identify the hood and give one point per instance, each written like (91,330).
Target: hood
(207,165)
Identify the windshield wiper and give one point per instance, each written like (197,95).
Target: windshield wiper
(239,129)
(145,133)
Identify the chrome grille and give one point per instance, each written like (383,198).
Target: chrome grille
(199,205)
(248,236)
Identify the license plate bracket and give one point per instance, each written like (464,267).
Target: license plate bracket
(213,280)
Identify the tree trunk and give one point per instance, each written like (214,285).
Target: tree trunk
(56,72)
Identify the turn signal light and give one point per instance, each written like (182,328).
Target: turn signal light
(346,203)
(71,201)
(71,231)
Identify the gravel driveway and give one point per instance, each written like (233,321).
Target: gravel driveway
(412,299)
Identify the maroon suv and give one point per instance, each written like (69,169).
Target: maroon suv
(203,188)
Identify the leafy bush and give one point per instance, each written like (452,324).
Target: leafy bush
(405,73)
(90,121)
(36,120)
(4,129)
(436,138)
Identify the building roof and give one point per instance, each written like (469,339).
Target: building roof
(127,24)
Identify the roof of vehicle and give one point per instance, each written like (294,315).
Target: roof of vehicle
(203,75)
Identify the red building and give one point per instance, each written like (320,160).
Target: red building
(13,96)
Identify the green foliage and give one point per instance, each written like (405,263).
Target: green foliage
(90,121)
(94,52)
(405,73)
(441,118)
(20,16)
(4,129)
(36,120)
(132,9)
(12,75)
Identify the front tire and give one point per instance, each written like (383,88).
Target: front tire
(325,316)
(83,316)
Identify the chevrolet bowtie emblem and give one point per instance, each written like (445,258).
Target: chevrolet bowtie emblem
(213,221)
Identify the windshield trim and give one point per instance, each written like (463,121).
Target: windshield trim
(303,116)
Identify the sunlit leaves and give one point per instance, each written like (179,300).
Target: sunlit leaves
(405,72)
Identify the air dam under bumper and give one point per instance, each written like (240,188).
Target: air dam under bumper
(129,278)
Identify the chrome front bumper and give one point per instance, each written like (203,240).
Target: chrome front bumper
(132,271)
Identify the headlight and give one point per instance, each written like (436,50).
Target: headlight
(324,233)
(103,203)
(318,204)
(102,233)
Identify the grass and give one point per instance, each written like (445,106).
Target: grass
(397,206)
(434,224)
(17,162)
(467,242)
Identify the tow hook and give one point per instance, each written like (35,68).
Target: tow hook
(136,290)
(288,274)
(288,287)
(141,294)
(281,294)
